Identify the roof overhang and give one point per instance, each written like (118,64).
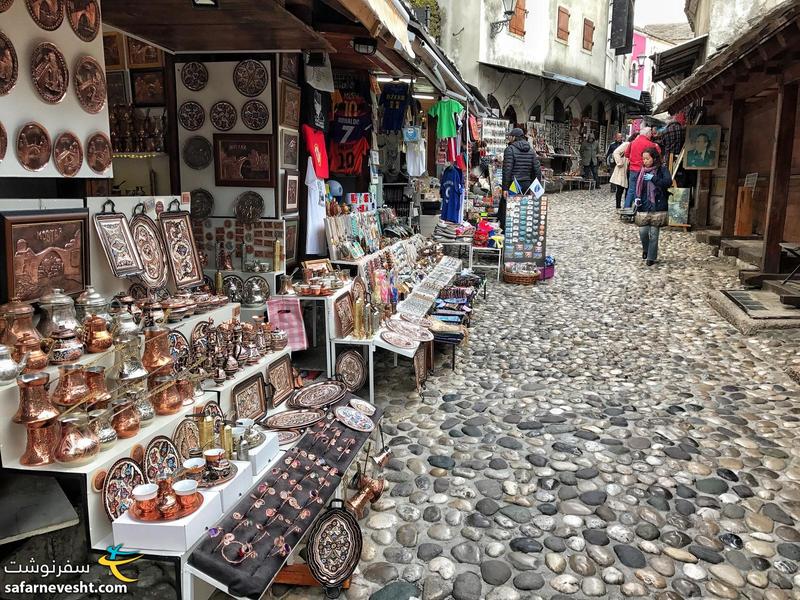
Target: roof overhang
(678,61)
(380,16)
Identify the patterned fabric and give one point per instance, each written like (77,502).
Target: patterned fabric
(286,314)
(672,138)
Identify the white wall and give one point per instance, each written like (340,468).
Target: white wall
(722,20)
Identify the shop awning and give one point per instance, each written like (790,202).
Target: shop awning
(678,61)
(236,26)
(380,15)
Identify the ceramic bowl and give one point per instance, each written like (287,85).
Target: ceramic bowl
(145,491)
(185,487)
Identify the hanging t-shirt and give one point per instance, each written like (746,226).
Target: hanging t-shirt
(394,100)
(389,145)
(350,129)
(317,107)
(315,142)
(347,159)
(416,158)
(349,103)
(452,191)
(315,221)
(445,112)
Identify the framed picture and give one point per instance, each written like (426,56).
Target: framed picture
(243,160)
(147,88)
(290,242)
(117,242)
(281,380)
(290,67)
(291,192)
(318,267)
(290,105)
(142,55)
(249,398)
(44,249)
(118,89)
(182,257)
(290,149)
(702,146)
(113,51)
(343,312)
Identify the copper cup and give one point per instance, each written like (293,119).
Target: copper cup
(126,421)
(186,491)
(39,447)
(146,497)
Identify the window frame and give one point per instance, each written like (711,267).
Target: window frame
(588,23)
(516,26)
(562,11)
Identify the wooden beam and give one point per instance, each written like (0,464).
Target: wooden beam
(780,170)
(703,198)
(735,138)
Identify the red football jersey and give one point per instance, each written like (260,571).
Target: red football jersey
(315,142)
(347,158)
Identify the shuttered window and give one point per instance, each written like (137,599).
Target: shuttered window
(563,24)
(588,34)
(517,24)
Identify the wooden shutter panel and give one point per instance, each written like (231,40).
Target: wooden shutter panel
(563,24)
(517,25)
(588,34)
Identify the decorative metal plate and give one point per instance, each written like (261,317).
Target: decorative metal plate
(249,398)
(47,15)
(9,65)
(212,409)
(334,547)
(186,437)
(194,76)
(33,147)
(191,115)
(90,85)
(49,73)
(197,153)
(84,18)
(409,330)
(248,208)
(122,477)
(351,367)
(151,250)
(3,142)
(98,152)
(223,115)
(5,5)
(250,77)
(232,287)
(421,321)
(184,262)
(137,291)
(294,419)
(67,154)
(281,378)
(354,419)
(160,455)
(179,350)
(137,454)
(289,436)
(318,395)
(255,115)
(396,339)
(359,289)
(363,406)
(117,243)
(255,287)
(207,483)
(202,204)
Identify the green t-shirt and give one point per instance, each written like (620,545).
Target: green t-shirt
(445,111)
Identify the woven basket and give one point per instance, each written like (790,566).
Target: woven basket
(520,278)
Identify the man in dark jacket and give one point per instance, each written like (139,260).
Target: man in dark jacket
(520,162)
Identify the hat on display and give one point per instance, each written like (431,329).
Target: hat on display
(336,189)
(516,132)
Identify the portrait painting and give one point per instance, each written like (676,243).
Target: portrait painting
(113,51)
(291,192)
(147,88)
(702,146)
(243,160)
(290,149)
(142,55)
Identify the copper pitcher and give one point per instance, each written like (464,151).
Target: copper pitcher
(40,444)
(19,317)
(99,396)
(166,400)
(32,346)
(66,347)
(35,408)
(77,444)
(126,420)
(96,336)
(71,388)
(156,358)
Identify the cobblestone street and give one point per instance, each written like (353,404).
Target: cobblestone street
(603,435)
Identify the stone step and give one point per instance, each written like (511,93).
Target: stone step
(788,292)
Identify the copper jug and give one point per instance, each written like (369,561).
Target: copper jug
(126,420)
(96,336)
(99,396)
(40,444)
(166,400)
(71,388)
(156,358)
(77,444)
(128,369)
(19,317)
(35,407)
(66,347)
(32,346)
(100,423)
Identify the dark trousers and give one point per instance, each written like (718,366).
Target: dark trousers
(590,172)
(620,192)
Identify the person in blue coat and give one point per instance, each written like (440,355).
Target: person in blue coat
(652,202)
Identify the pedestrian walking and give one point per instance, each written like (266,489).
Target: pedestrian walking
(610,162)
(589,151)
(520,163)
(634,156)
(619,176)
(652,202)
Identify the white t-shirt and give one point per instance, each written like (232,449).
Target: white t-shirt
(416,158)
(315,231)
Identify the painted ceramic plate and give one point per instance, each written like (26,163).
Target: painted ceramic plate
(232,287)
(318,395)
(363,406)
(122,477)
(334,547)
(49,73)
(200,332)
(255,115)
(396,339)
(179,350)
(250,77)
(90,85)
(294,419)
(212,409)
(350,366)
(33,147)
(202,204)
(409,330)
(84,18)
(194,76)
(288,436)
(191,115)
(67,154)
(223,115)
(10,70)
(161,455)
(249,206)
(47,15)
(186,437)
(354,419)
(98,152)
(147,238)
(197,153)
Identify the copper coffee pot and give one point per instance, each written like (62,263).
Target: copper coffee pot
(156,358)
(382,459)
(96,336)
(126,420)
(99,396)
(166,400)
(370,491)
(71,388)
(66,347)
(167,500)
(40,444)
(32,346)
(77,444)
(35,408)
(19,317)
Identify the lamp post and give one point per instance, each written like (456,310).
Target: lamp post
(509,8)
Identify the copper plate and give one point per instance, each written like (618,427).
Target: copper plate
(249,206)
(122,477)
(223,115)
(5,5)
(184,262)
(137,454)
(49,72)
(250,77)
(84,18)
(191,115)
(33,147)
(98,152)
(232,287)
(148,240)
(208,483)
(197,152)
(281,378)
(202,204)
(9,65)
(117,243)
(294,419)
(418,333)
(288,436)
(90,84)
(137,514)
(249,398)
(255,115)
(350,366)
(3,142)
(47,14)
(399,340)
(194,76)
(68,154)
(318,395)
(334,547)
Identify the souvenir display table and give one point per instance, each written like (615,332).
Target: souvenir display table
(493,254)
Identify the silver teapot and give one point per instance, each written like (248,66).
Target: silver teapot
(58,310)
(91,302)
(8,368)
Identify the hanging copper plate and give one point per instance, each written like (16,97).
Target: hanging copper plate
(202,204)
(318,395)
(49,73)
(250,77)
(9,65)
(3,142)
(191,115)
(46,14)
(90,84)
(5,5)
(84,18)
(68,154)
(33,147)
(197,152)
(350,366)
(98,152)
(334,547)
(194,76)
(249,206)
(223,115)
(148,240)
(255,115)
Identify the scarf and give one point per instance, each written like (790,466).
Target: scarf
(650,197)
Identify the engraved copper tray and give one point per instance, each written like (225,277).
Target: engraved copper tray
(49,73)
(223,115)
(98,152)
(182,257)
(68,154)
(205,484)
(249,206)
(294,419)
(255,115)
(9,65)
(334,547)
(90,84)
(117,242)
(5,5)
(151,249)
(136,513)
(351,368)
(194,76)
(33,147)
(318,395)
(191,115)
(84,18)
(48,15)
